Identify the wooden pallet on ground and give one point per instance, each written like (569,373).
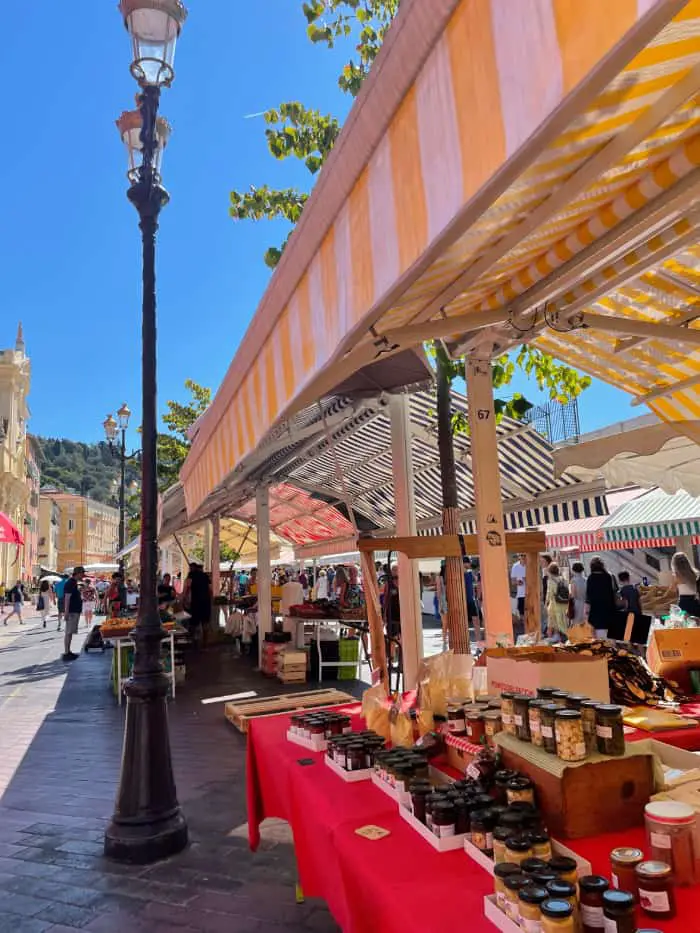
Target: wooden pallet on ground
(241,712)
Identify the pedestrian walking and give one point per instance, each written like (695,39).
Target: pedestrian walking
(16,600)
(73,606)
(89,597)
(59,588)
(43,603)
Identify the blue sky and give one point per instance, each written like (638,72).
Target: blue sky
(69,244)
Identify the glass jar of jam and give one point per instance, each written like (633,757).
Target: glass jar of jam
(492,725)
(574,700)
(531,897)
(591,891)
(547,715)
(482,826)
(500,784)
(623,864)
(541,846)
(531,865)
(355,757)
(545,693)
(535,718)
(543,878)
(521,716)
(507,713)
(502,871)
(569,735)
(609,730)
(520,789)
(500,835)
(618,911)
(562,890)
(518,850)
(455,721)
(419,791)
(559,698)
(557,916)
(463,816)
(655,883)
(443,814)
(475,727)
(565,867)
(514,885)
(530,816)
(588,718)
(431,801)
(670,829)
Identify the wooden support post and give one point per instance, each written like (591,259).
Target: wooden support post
(215,554)
(374,619)
(493,557)
(264,581)
(405,508)
(533,595)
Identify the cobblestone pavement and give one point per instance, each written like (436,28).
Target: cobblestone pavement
(60,745)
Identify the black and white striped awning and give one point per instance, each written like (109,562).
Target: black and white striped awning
(362,454)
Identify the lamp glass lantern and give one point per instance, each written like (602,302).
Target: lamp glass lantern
(154,27)
(111,427)
(129,125)
(123,415)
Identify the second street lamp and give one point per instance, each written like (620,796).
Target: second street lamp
(112,430)
(147,823)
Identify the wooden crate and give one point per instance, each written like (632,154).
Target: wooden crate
(241,712)
(602,795)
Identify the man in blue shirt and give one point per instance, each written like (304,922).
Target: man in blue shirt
(73,606)
(59,588)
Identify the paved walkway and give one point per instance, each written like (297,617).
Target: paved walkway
(60,746)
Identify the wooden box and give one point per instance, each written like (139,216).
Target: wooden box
(600,795)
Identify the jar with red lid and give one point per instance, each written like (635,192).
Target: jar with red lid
(670,830)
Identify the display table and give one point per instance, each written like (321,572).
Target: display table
(398,883)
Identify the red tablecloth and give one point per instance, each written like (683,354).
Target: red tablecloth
(399,883)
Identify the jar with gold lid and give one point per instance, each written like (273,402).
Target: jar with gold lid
(623,864)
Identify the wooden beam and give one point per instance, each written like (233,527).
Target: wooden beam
(630,325)
(426,547)
(533,595)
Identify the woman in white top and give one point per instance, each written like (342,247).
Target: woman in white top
(577,591)
(686,577)
(322,585)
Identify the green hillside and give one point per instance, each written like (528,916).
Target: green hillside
(88,469)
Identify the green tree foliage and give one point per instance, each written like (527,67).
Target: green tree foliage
(86,469)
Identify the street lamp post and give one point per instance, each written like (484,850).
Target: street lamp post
(112,429)
(147,823)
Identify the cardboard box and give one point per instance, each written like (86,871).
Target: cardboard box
(673,653)
(525,669)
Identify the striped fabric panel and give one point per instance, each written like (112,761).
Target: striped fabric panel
(465,116)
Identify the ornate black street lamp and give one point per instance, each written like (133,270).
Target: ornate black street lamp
(113,428)
(148,824)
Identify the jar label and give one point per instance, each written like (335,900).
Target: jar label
(455,725)
(530,926)
(604,732)
(660,840)
(473,772)
(547,732)
(518,720)
(580,749)
(513,912)
(593,917)
(654,902)
(535,726)
(501,899)
(615,880)
(610,925)
(443,832)
(506,719)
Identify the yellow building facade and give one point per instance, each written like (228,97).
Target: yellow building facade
(88,531)
(49,526)
(15,374)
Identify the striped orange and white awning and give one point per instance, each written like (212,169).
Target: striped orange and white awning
(502,157)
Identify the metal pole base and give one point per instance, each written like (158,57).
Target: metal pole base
(148,824)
